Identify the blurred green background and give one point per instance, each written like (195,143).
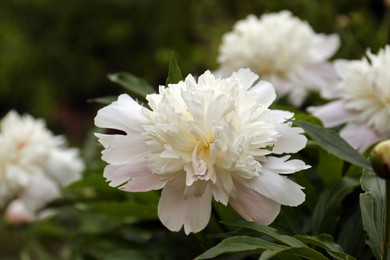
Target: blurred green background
(55,55)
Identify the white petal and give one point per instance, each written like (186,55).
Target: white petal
(332,114)
(122,149)
(266,91)
(281,165)
(253,206)
(39,192)
(360,136)
(174,211)
(245,77)
(291,139)
(278,188)
(341,66)
(324,47)
(137,177)
(124,114)
(64,166)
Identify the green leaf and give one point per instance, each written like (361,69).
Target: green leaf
(327,210)
(240,244)
(174,73)
(330,168)
(326,242)
(133,84)
(333,143)
(271,232)
(372,204)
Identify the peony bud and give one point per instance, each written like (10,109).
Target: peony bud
(380,159)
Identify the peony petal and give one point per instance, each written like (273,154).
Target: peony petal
(332,114)
(245,77)
(291,139)
(124,114)
(281,165)
(137,177)
(174,211)
(324,46)
(253,206)
(39,192)
(17,213)
(266,91)
(277,187)
(64,166)
(122,149)
(360,136)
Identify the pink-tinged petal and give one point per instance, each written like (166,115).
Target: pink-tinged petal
(246,77)
(324,46)
(40,191)
(124,114)
(283,165)
(332,114)
(17,213)
(360,136)
(277,187)
(253,206)
(266,91)
(122,149)
(135,177)
(291,139)
(175,211)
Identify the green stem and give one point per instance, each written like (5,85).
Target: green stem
(386,239)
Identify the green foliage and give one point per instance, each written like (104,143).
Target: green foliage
(174,73)
(372,204)
(133,85)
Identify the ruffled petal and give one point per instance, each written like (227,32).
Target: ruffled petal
(277,187)
(332,114)
(245,77)
(136,176)
(360,136)
(253,206)
(266,91)
(122,149)
(124,114)
(281,165)
(175,211)
(291,139)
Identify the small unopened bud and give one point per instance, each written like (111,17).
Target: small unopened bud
(17,214)
(380,159)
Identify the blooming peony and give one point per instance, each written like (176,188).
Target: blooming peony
(210,138)
(283,50)
(362,100)
(34,164)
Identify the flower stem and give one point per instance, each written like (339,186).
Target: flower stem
(386,239)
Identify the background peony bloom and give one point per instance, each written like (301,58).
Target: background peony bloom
(362,100)
(283,50)
(34,164)
(210,138)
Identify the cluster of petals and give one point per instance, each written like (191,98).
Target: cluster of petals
(283,50)
(205,138)
(361,100)
(34,165)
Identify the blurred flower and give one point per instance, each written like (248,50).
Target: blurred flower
(201,139)
(362,100)
(34,164)
(283,50)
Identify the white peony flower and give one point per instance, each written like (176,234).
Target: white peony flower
(210,138)
(283,50)
(34,164)
(362,100)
